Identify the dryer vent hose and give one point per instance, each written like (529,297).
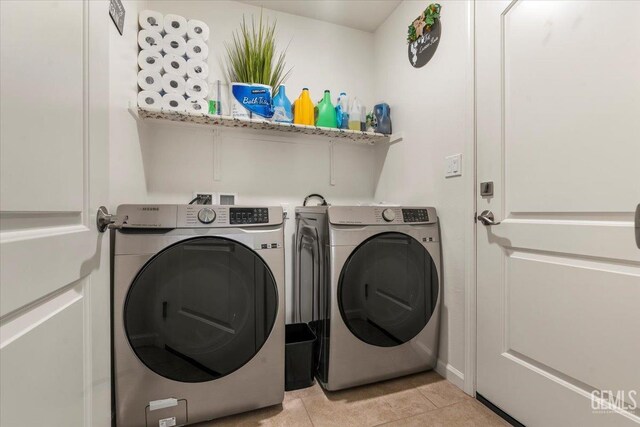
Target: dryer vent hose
(317,196)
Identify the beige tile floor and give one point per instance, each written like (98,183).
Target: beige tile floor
(424,399)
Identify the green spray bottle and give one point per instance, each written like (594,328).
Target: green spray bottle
(326,112)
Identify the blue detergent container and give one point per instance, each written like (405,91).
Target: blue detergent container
(342,113)
(382,114)
(282,107)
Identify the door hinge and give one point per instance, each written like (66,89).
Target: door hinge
(475,217)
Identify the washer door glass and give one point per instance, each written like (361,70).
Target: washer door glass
(200,309)
(388,289)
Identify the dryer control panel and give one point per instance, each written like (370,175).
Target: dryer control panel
(381,215)
(197,216)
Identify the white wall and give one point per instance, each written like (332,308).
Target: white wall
(433,108)
(160,163)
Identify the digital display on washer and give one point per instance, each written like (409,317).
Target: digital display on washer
(249,215)
(415,215)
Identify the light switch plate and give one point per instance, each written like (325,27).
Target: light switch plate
(453,165)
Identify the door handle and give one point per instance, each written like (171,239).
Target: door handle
(638,226)
(105,220)
(486,218)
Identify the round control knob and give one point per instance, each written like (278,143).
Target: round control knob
(388,215)
(206,215)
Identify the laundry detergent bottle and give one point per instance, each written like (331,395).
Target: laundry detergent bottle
(282,107)
(342,111)
(382,114)
(355,113)
(326,112)
(303,109)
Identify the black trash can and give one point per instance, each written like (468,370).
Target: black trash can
(298,367)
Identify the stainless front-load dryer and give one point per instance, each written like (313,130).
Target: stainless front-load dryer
(198,312)
(368,283)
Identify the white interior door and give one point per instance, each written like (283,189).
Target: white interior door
(558,132)
(54,273)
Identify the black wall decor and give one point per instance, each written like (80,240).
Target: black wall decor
(424,36)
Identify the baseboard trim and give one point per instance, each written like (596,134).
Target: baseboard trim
(451,374)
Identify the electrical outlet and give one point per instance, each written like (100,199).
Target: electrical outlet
(453,165)
(285,210)
(228,198)
(204,197)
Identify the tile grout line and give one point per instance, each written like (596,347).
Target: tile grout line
(417,388)
(435,407)
(426,397)
(417,415)
(307,412)
(466,396)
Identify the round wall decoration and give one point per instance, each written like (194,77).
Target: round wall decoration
(424,36)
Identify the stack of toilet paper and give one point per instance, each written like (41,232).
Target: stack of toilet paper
(173,63)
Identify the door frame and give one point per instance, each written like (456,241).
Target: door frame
(470,309)
(466,380)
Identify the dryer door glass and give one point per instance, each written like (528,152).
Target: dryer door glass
(388,289)
(200,309)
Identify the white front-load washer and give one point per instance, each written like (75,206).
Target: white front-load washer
(368,283)
(198,312)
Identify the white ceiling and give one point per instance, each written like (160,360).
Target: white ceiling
(366,15)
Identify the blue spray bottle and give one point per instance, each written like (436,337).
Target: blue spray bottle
(282,107)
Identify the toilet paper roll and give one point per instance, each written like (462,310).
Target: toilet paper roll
(174,64)
(150,40)
(150,80)
(173,102)
(150,60)
(197,106)
(197,88)
(197,30)
(198,69)
(150,100)
(175,24)
(197,49)
(174,44)
(173,83)
(151,20)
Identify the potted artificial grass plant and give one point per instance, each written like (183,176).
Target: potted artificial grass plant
(254,68)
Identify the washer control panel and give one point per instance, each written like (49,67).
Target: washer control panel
(197,216)
(248,215)
(212,216)
(381,215)
(415,215)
